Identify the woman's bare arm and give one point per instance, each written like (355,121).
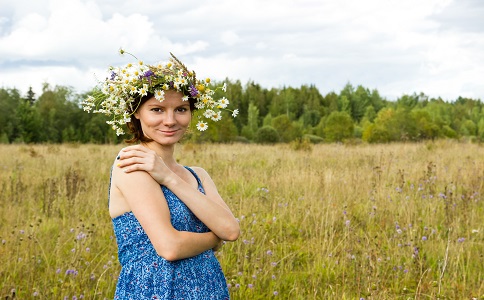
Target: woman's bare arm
(209,208)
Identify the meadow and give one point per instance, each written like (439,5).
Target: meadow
(396,221)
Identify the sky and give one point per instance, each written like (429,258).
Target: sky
(434,47)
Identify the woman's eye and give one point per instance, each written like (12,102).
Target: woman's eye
(157,109)
(182,109)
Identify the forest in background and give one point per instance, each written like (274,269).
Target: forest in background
(276,115)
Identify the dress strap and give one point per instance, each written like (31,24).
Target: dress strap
(109,187)
(200,186)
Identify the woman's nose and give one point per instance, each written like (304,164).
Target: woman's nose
(169,118)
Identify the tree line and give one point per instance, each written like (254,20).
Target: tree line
(265,116)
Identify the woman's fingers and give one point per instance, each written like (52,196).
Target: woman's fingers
(135,151)
(137,160)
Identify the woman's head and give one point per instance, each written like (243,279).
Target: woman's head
(135,126)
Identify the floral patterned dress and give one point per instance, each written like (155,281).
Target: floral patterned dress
(146,275)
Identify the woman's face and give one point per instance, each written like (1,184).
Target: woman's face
(165,122)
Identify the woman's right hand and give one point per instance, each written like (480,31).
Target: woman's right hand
(141,158)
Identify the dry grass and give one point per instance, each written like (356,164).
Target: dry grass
(400,221)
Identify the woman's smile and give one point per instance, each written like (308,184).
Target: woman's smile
(169,132)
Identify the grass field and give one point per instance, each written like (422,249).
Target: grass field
(399,221)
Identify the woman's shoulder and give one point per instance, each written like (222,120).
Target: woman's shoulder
(199,170)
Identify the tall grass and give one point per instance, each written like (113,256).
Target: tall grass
(400,221)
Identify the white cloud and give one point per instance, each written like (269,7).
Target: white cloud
(397,47)
(229,38)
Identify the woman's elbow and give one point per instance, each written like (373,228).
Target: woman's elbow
(168,251)
(168,254)
(232,233)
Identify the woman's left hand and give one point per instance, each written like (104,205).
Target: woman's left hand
(219,245)
(141,158)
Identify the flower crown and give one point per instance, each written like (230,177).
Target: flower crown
(118,93)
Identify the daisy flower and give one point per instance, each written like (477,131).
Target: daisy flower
(222,103)
(208,113)
(217,116)
(202,126)
(160,95)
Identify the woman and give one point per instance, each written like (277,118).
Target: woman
(166,235)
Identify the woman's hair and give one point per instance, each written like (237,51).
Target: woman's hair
(134,126)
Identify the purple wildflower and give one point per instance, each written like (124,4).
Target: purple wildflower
(148,74)
(193,90)
(81,236)
(71,272)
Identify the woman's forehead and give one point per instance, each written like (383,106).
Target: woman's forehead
(169,100)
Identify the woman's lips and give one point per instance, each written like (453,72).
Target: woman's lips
(169,132)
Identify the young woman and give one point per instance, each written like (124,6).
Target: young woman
(168,218)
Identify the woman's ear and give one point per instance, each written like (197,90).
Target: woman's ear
(136,115)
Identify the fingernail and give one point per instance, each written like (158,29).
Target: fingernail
(118,165)
(117,157)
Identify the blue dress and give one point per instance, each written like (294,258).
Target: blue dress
(146,275)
